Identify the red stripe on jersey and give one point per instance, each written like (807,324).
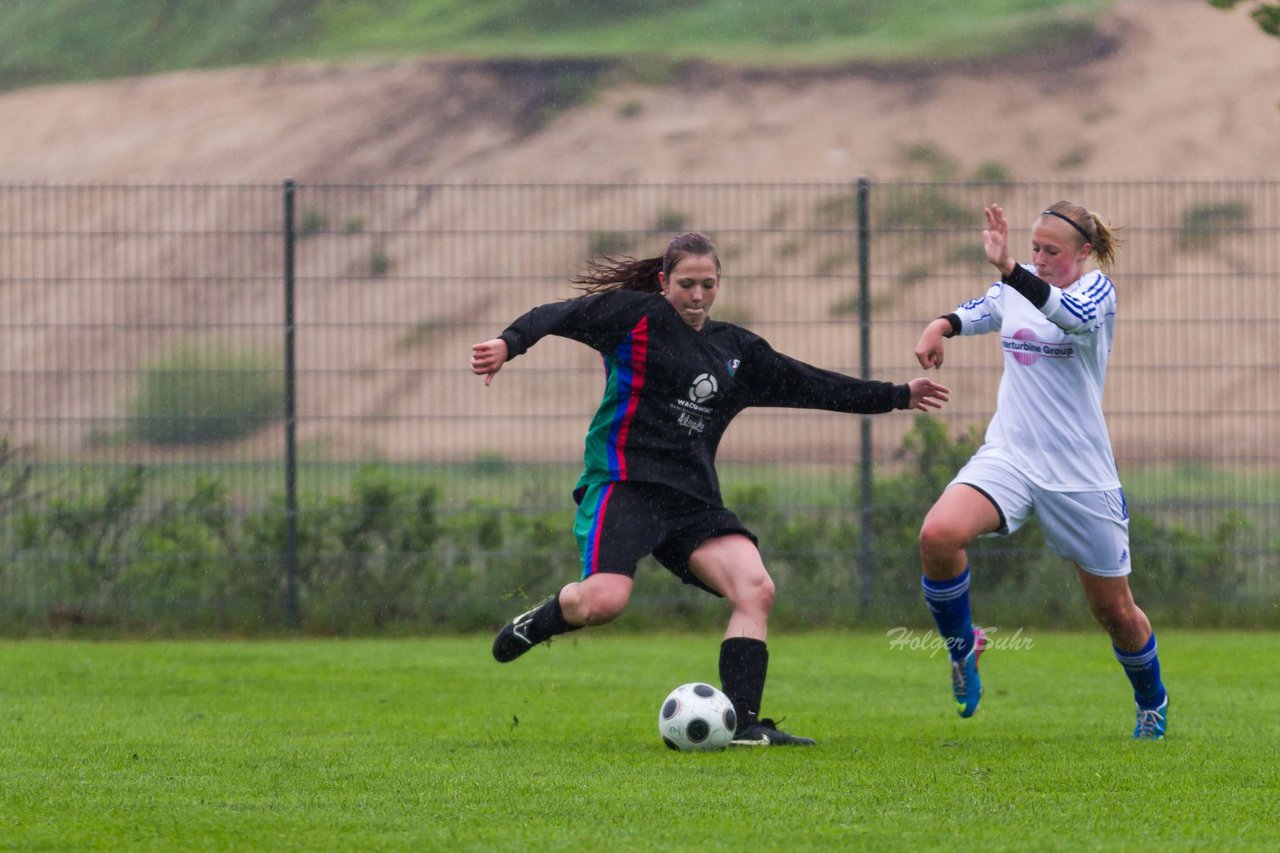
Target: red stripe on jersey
(639,357)
(599,525)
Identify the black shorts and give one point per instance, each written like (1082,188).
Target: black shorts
(618,523)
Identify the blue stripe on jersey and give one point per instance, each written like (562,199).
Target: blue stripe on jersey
(621,364)
(1085,305)
(629,373)
(1100,290)
(1070,304)
(591,542)
(1080,310)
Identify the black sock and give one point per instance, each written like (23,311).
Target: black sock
(743,664)
(548,621)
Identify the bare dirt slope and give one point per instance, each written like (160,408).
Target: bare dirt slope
(1179,90)
(1173,89)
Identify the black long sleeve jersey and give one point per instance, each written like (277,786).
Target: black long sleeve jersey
(671,391)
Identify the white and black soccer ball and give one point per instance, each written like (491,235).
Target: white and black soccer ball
(697,717)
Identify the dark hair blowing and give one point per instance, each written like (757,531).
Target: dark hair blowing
(626,273)
(1102,237)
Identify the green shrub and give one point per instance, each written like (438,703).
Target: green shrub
(187,558)
(836,211)
(924,208)
(609,243)
(489,464)
(969,253)
(564,89)
(846,306)
(1204,224)
(200,394)
(419,334)
(936,163)
(83,543)
(1075,157)
(830,264)
(991,172)
(670,221)
(313,221)
(15,476)
(789,248)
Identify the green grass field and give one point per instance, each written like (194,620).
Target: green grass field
(428,744)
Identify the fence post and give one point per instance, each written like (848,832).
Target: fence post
(866,562)
(290,417)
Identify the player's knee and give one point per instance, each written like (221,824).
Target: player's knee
(764,593)
(939,538)
(1115,613)
(756,593)
(602,604)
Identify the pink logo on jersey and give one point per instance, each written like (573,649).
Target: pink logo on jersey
(1026,349)
(1023,346)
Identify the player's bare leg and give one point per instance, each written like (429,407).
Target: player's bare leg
(1111,602)
(958,517)
(1134,643)
(731,566)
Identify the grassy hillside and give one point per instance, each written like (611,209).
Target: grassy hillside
(45,41)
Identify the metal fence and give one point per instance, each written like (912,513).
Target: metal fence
(276,340)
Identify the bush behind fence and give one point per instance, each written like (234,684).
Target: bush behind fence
(384,558)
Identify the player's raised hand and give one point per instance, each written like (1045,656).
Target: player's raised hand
(927,394)
(487,358)
(995,239)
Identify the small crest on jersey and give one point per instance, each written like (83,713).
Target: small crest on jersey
(733,365)
(703,388)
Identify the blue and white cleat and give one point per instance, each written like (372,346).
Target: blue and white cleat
(1152,722)
(966,686)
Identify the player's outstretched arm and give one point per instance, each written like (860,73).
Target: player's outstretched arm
(487,358)
(927,394)
(929,347)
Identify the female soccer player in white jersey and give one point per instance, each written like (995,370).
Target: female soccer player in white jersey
(1046,450)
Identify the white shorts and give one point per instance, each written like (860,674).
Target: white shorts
(1091,529)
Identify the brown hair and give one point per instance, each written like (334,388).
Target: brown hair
(627,273)
(1089,228)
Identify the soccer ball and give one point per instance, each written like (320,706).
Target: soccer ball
(696,717)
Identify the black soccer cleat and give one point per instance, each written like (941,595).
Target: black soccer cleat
(514,639)
(766,733)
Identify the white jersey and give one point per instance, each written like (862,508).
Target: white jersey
(1048,416)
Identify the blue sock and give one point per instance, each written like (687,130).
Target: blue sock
(1143,669)
(949,602)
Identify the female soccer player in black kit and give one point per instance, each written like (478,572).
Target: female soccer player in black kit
(674,379)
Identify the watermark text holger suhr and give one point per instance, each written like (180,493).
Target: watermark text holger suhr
(932,642)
